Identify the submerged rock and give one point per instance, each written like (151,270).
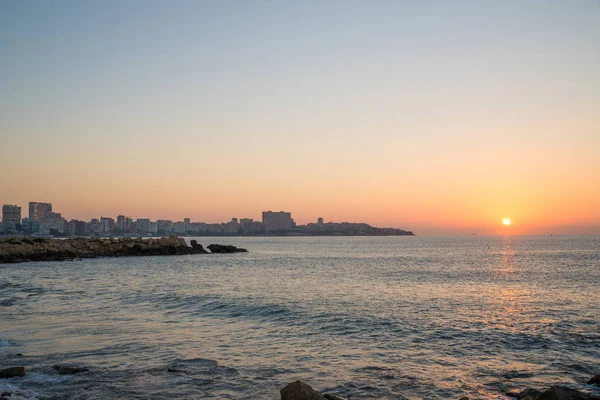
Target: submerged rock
(333,397)
(565,393)
(66,370)
(299,391)
(529,392)
(222,248)
(595,380)
(12,372)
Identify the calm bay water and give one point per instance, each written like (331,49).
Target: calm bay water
(378,317)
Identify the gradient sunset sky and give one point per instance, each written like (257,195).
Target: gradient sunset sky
(442,117)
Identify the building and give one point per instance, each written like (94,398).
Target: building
(53,224)
(319,221)
(131,225)
(11,218)
(143,225)
(122,224)
(250,226)
(179,227)
(164,226)
(231,227)
(107,225)
(39,211)
(75,227)
(277,221)
(30,226)
(93,227)
(187,222)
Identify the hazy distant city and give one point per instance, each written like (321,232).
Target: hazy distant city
(43,221)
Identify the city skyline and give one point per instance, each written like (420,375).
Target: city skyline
(443,117)
(43,220)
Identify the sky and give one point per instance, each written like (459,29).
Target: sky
(435,116)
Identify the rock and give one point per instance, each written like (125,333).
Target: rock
(565,393)
(528,398)
(595,380)
(12,372)
(333,397)
(197,247)
(66,370)
(464,398)
(14,250)
(5,394)
(529,392)
(222,248)
(299,390)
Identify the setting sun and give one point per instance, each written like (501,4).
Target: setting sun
(506,221)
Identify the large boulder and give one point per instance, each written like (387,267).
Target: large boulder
(223,248)
(299,391)
(12,372)
(565,393)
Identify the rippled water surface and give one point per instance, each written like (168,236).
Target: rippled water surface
(365,318)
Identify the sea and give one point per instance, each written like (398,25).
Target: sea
(360,317)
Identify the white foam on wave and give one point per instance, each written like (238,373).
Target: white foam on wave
(16,393)
(46,379)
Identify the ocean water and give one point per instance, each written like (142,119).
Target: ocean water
(374,317)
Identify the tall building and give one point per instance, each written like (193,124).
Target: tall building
(53,223)
(76,227)
(11,218)
(277,221)
(143,225)
(39,211)
(131,225)
(122,223)
(107,225)
(187,222)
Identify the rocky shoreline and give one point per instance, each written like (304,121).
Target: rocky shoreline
(299,390)
(17,250)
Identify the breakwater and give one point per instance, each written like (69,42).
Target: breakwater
(16,250)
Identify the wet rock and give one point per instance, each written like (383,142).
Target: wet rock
(198,247)
(299,391)
(333,397)
(66,370)
(222,248)
(565,393)
(16,250)
(595,380)
(5,394)
(12,372)
(529,392)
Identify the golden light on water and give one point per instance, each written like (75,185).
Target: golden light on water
(506,221)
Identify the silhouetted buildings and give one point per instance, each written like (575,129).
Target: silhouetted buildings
(277,221)
(43,221)
(39,211)
(11,218)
